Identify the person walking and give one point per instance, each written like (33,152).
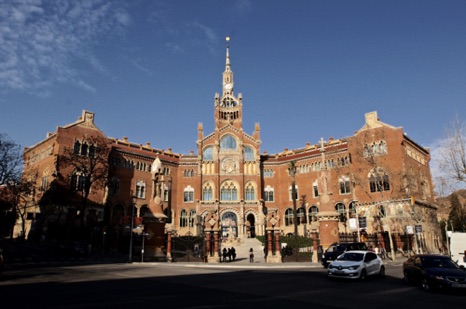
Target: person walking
(233,253)
(251,255)
(224,254)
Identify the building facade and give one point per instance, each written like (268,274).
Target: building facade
(377,181)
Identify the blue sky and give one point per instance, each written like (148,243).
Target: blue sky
(307,69)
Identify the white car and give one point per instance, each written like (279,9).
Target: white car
(356,265)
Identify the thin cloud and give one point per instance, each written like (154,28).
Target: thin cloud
(39,42)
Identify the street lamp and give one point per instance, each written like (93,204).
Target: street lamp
(131,227)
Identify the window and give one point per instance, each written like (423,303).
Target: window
(379,181)
(301,214)
(44,185)
(289,217)
(78,181)
(84,149)
(77,147)
(345,185)
(140,189)
(315,189)
(313,211)
(340,208)
(250,192)
(375,149)
(248,154)
(189,173)
(229,192)
(183,218)
(188,195)
(268,194)
(268,173)
(208,154)
(228,142)
(207,192)
(192,217)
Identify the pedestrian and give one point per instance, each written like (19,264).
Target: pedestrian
(233,253)
(229,254)
(251,255)
(383,253)
(224,254)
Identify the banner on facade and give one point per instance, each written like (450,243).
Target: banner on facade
(353,225)
(409,230)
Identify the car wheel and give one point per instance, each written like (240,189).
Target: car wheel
(363,275)
(382,271)
(425,285)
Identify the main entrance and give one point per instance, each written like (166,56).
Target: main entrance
(229,225)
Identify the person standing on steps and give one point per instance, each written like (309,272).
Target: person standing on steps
(233,253)
(251,255)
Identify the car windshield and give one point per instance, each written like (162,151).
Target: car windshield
(351,256)
(437,263)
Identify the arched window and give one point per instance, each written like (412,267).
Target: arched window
(345,185)
(183,218)
(207,192)
(340,208)
(289,216)
(192,217)
(77,147)
(188,194)
(301,214)
(315,188)
(140,189)
(208,154)
(268,194)
(250,192)
(313,211)
(248,154)
(379,180)
(228,142)
(228,191)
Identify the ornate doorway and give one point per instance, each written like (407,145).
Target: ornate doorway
(251,226)
(229,225)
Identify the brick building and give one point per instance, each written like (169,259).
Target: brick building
(376,182)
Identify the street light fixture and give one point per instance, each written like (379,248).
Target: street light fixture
(130,254)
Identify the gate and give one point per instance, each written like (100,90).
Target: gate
(188,249)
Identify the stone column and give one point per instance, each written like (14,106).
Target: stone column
(169,246)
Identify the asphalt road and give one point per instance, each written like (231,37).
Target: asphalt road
(177,285)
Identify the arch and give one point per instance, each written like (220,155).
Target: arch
(183,218)
(228,142)
(340,208)
(251,225)
(208,153)
(208,191)
(250,191)
(249,154)
(313,211)
(229,191)
(229,223)
(288,217)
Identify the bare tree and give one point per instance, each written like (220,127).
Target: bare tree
(452,152)
(85,166)
(10,160)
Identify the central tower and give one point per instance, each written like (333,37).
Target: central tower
(228,107)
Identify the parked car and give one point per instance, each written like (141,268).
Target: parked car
(336,249)
(433,271)
(356,265)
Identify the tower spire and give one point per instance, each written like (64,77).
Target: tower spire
(227,74)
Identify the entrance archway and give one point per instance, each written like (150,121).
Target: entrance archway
(229,224)
(251,226)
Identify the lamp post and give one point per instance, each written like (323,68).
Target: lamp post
(131,227)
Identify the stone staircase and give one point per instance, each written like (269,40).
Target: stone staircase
(242,250)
